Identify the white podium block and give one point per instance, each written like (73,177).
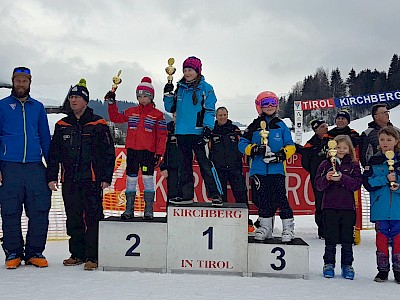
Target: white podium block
(134,244)
(206,239)
(272,258)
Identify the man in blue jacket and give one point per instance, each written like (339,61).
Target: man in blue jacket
(24,141)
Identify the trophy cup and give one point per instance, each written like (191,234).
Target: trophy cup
(390,155)
(170,69)
(116,81)
(264,141)
(332,153)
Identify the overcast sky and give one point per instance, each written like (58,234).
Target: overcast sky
(246,46)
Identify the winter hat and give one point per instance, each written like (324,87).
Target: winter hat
(344,114)
(80,90)
(316,123)
(266,98)
(145,88)
(22,71)
(193,63)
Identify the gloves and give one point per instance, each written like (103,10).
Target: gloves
(205,136)
(275,157)
(110,97)
(157,159)
(258,150)
(168,89)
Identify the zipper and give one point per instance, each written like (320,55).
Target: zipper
(25,136)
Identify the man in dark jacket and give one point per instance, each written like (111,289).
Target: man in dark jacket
(370,141)
(82,144)
(170,163)
(313,153)
(227,158)
(342,122)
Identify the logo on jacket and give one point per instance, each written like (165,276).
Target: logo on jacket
(13,105)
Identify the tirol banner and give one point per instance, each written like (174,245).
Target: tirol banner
(299,190)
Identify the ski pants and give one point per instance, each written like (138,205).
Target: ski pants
(84,210)
(187,144)
(237,183)
(172,183)
(338,229)
(387,232)
(269,194)
(24,185)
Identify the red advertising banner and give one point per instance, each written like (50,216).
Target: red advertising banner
(299,191)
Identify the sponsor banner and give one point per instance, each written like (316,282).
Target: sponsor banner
(368,99)
(348,101)
(298,186)
(317,104)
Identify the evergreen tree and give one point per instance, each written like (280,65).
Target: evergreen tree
(337,86)
(393,79)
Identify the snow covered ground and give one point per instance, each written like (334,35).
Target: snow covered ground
(59,282)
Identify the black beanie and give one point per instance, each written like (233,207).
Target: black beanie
(344,114)
(80,90)
(316,123)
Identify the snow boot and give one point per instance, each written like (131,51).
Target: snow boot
(217,201)
(129,208)
(148,202)
(13,261)
(72,261)
(348,272)
(265,230)
(287,230)
(90,264)
(38,261)
(382,276)
(329,270)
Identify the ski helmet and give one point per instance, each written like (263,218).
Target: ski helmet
(265,99)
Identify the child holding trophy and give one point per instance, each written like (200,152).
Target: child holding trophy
(194,103)
(145,143)
(381,179)
(338,177)
(269,143)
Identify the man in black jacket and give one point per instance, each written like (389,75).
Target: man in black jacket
(83,146)
(313,153)
(226,157)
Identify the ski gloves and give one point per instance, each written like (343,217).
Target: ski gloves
(269,157)
(205,136)
(168,89)
(110,97)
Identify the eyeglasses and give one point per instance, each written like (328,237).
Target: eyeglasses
(22,70)
(383,112)
(269,102)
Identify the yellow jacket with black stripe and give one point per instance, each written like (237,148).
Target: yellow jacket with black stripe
(279,139)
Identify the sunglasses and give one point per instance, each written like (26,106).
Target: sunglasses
(22,70)
(269,102)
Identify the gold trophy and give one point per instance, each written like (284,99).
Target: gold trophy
(170,69)
(390,155)
(264,141)
(332,153)
(116,81)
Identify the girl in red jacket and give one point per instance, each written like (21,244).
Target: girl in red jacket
(145,144)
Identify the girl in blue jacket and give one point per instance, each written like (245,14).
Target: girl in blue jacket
(383,186)
(267,167)
(194,103)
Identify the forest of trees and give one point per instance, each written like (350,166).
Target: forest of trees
(324,84)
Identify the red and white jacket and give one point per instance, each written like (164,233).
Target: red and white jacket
(147,129)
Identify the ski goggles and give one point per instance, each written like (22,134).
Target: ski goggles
(269,102)
(22,70)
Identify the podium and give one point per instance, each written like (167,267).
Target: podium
(206,239)
(274,258)
(133,245)
(198,238)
